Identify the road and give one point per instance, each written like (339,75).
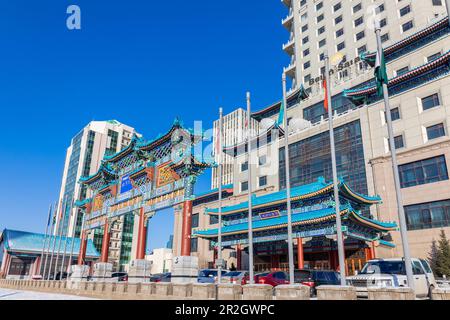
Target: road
(9,294)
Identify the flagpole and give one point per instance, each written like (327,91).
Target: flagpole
(65,241)
(45,241)
(401,210)
(219,252)
(54,241)
(61,227)
(73,242)
(288,183)
(340,238)
(250,212)
(49,242)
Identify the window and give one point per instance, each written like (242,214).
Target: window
(244,166)
(430,102)
(305,52)
(399,142)
(402,71)
(360,35)
(244,186)
(320,18)
(385,37)
(338,20)
(320,30)
(437,2)
(305,40)
(319,6)
(407,26)
(359,21)
(433,57)
(357,8)
(337,6)
(405,10)
(340,46)
(322,43)
(428,215)
(395,114)
(340,32)
(262,160)
(306,65)
(349,153)
(423,172)
(435,131)
(194,245)
(262,181)
(305,28)
(195,220)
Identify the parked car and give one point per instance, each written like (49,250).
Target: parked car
(381,273)
(273,278)
(234,277)
(119,277)
(315,278)
(61,276)
(161,277)
(208,275)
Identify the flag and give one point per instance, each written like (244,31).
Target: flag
(380,72)
(325,87)
(49,215)
(281,115)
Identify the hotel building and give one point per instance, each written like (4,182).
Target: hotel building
(84,157)
(415,38)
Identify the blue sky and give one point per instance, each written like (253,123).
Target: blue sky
(141,62)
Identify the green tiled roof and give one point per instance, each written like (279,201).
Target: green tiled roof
(22,241)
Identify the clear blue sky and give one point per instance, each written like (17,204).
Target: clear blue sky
(141,62)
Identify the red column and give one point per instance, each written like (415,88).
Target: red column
(300,254)
(105,243)
(239,257)
(83,246)
(372,250)
(186,229)
(37,266)
(142,237)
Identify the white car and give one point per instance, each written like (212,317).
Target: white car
(381,273)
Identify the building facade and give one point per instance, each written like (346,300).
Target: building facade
(84,157)
(416,43)
(233,132)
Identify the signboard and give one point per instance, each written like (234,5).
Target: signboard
(282,237)
(125,184)
(269,215)
(165,175)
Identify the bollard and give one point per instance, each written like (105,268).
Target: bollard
(336,293)
(392,293)
(147,289)
(204,291)
(293,292)
(229,292)
(441,294)
(182,290)
(257,292)
(163,289)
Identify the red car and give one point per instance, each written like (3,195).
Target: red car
(273,278)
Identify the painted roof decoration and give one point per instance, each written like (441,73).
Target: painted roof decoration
(361,94)
(298,193)
(296,97)
(442,24)
(139,148)
(225,188)
(242,145)
(28,242)
(299,219)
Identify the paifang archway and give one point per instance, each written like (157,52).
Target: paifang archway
(142,179)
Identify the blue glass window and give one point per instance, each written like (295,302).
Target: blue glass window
(423,172)
(428,215)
